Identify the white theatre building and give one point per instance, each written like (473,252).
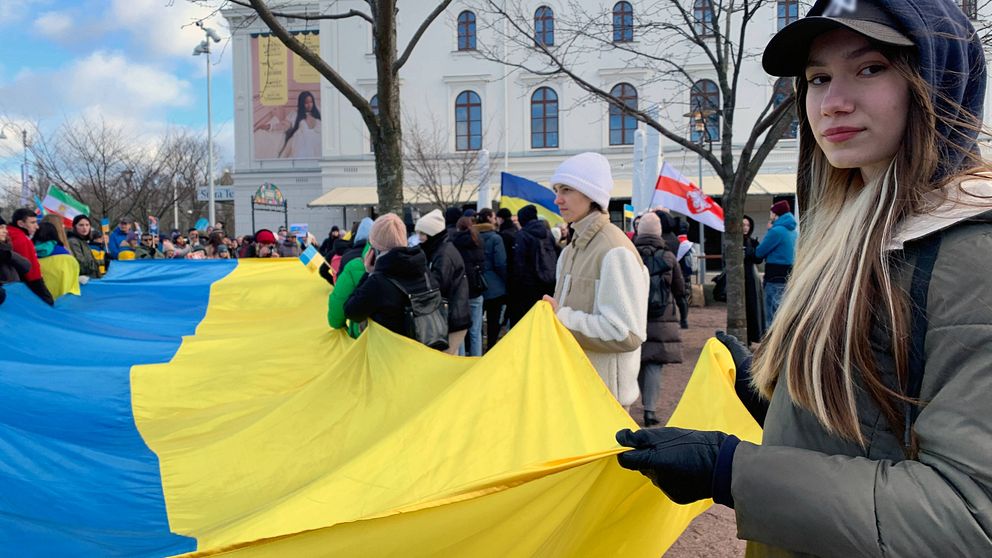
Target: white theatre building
(529,123)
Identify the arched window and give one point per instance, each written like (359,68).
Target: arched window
(788,11)
(468,121)
(704,102)
(466,30)
(374,101)
(622,126)
(703,17)
(544,118)
(783,88)
(623,22)
(544,26)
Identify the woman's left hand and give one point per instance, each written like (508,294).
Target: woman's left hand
(687,465)
(551,300)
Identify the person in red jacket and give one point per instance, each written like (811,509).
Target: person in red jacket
(25,224)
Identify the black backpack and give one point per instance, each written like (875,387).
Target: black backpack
(426,315)
(659,294)
(545,260)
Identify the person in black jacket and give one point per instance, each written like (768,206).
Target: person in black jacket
(668,230)
(448,271)
(469,245)
(327,246)
(534,264)
(508,232)
(753,295)
(376,297)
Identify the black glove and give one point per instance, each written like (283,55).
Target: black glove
(682,463)
(753,402)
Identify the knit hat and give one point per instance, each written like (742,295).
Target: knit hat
(781,208)
(132,236)
(363,230)
(430,224)
(504,213)
(265,236)
(451,216)
(527,214)
(388,232)
(649,225)
(588,173)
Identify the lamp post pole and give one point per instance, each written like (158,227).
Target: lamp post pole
(175,204)
(25,187)
(204,48)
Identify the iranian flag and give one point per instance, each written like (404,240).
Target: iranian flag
(674,191)
(58,202)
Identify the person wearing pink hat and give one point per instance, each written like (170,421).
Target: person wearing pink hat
(391,268)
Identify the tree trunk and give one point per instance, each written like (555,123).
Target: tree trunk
(733,257)
(389,141)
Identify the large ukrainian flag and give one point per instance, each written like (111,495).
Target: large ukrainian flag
(516,192)
(204,407)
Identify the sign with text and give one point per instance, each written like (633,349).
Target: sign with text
(221,193)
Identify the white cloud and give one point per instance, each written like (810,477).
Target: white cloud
(174,32)
(105,82)
(12,11)
(53,25)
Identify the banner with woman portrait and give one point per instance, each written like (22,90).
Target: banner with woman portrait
(285,99)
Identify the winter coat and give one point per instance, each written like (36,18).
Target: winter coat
(753,293)
(496,272)
(347,280)
(526,287)
(778,249)
(602,292)
(664,335)
(508,234)
(474,257)
(448,271)
(20,243)
(13,266)
(377,298)
(80,248)
(808,492)
(117,236)
(356,251)
(289,248)
(143,252)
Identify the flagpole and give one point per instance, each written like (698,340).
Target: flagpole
(702,230)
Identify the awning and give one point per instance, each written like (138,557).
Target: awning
(764,184)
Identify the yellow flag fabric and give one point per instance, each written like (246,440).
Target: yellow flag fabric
(60,274)
(278,437)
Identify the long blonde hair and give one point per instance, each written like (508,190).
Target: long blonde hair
(841,285)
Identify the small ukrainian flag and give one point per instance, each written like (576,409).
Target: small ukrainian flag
(628,211)
(311,258)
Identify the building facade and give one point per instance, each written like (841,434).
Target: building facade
(458,86)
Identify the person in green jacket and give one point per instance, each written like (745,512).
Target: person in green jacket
(346,282)
(875,377)
(79,239)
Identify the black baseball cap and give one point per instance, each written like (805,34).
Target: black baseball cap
(788,51)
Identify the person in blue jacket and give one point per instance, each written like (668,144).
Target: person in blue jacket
(778,249)
(117,236)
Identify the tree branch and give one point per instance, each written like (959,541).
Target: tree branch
(420,33)
(308,17)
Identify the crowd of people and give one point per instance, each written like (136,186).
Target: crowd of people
(53,258)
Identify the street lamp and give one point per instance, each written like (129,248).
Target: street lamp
(25,190)
(204,48)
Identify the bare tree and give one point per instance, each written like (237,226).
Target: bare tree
(441,177)
(671,45)
(384,124)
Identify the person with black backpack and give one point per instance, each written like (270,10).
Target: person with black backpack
(397,290)
(448,272)
(534,263)
(665,287)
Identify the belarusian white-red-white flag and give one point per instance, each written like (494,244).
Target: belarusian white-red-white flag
(674,191)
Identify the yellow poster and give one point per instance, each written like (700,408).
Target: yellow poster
(302,71)
(273,81)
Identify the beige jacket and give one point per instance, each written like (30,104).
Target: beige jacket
(602,290)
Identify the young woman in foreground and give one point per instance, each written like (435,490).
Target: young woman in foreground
(878,367)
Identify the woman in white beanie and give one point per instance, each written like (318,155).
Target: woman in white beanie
(601,294)
(448,271)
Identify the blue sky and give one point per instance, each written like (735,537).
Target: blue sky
(128,61)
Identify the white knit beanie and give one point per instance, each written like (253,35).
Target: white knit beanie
(588,173)
(430,224)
